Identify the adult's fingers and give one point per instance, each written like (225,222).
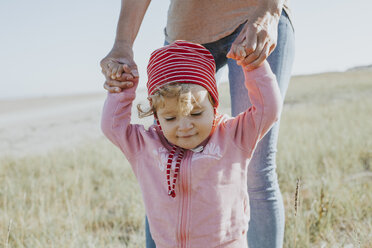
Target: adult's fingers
(237,51)
(264,54)
(244,44)
(119,72)
(107,69)
(272,48)
(235,46)
(250,41)
(104,65)
(261,41)
(114,70)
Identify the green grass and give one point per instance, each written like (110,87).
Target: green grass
(88,197)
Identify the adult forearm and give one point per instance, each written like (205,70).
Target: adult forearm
(274,7)
(118,66)
(130,19)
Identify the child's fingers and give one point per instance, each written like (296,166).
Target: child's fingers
(123,85)
(240,51)
(231,53)
(256,53)
(110,85)
(110,88)
(107,70)
(122,72)
(105,66)
(125,77)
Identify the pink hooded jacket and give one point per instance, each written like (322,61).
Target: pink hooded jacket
(211,207)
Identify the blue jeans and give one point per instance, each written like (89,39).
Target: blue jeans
(266,225)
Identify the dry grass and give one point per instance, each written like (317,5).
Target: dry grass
(88,196)
(325,140)
(74,198)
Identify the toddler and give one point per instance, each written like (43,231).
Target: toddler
(192,164)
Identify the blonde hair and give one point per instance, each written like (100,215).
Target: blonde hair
(182,91)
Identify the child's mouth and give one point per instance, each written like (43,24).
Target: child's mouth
(186,136)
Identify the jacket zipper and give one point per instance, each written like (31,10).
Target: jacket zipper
(184,202)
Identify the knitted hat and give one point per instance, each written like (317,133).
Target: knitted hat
(182,62)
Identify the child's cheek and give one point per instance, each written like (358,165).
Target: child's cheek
(167,133)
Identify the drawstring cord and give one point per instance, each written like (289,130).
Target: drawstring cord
(171,188)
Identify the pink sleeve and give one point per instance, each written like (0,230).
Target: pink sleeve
(250,126)
(115,123)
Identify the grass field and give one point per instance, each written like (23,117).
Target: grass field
(87,196)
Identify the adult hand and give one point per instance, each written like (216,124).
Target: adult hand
(257,39)
(119,69)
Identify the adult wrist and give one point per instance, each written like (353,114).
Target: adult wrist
(273,6)
(263,17)
(123,44)
(266,9)
(124,48)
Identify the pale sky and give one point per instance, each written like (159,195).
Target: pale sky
(54,47)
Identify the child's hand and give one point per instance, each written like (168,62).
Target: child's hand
(120,71)
(240,56)
(119,77)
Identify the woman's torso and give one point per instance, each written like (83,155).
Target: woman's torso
(203,21)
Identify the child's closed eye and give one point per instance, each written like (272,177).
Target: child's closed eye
(170,118)
(197,113)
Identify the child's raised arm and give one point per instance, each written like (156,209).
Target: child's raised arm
(116,122)
(250,126)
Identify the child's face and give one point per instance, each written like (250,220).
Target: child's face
(190,130)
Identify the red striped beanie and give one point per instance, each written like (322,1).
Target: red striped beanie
(182,62)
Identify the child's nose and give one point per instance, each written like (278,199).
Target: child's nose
(185,124)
